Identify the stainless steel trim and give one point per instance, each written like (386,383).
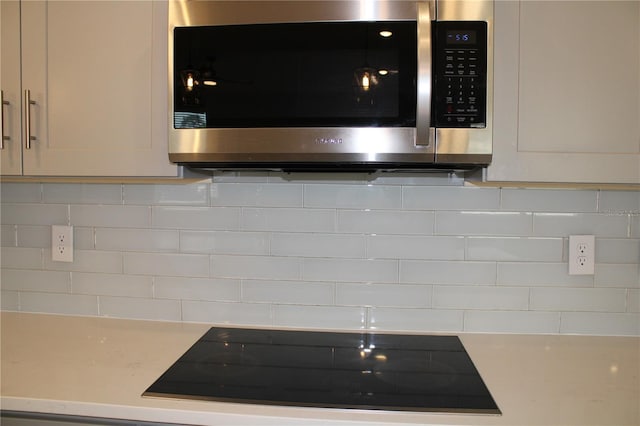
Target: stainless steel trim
(424,137)
(2,104)
(28,102)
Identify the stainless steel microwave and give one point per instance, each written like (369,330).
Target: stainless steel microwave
(331,85)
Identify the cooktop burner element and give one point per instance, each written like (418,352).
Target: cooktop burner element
(329,369)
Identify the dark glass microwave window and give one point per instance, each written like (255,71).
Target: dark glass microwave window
(324,74)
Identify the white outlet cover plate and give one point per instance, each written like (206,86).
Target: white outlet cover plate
(587,266)
(61,243)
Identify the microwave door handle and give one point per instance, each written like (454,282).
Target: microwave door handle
(425,134)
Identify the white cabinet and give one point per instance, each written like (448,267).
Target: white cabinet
(97,75)
(567,91)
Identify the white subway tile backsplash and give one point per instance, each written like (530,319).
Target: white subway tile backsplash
(578,299)
(111,284)
(317,245)
(196,194)
(548,200)
(224,242)
(450,198)
(159,264)
(350,270)
(415,247)
(397,252)
(515,249)
(444,272)
(320,317)
(385,222)
(353,196)
(286,220)
(139,308)
(110,216)
(288,292)
(205,218)
(196,289)
(478,321)
(256,195)
(389,295)
(565,224)
(60,193)
(226,313)
(136,239)
(422,320)
(480,297)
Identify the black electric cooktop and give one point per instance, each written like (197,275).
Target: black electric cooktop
(329,369)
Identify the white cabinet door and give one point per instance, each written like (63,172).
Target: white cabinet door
(11,144)
(96,72)
(567,91)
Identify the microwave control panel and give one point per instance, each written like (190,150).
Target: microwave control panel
(460,74)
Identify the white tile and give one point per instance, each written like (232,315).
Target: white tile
(633,300)
(391,295)
(139,308)
(208,218)
(34,214)
(317,245)
(256,194)
(9,300)
(419,179)
(174,264)
(255,267)
(617,275)
(515,249)
(548,200)
(55,303)
(565,224)
(289,292)
(511,322)
(450,198)
(79,193)
(21,258)
(87,261)
(353,196)
(298,220)
(83,238)
(480,297)
(415,247)
(8,236)
(196,289)
(196,194)
(483,223)
(224,242)
(41,281)
(540,274)
(226,312)
(21,192)
(578,299)
(598,323)
(445,272)
(111,284)
(350,270)
(136,239)
(320,178)
(242,176)
(320,317)
(386,222)
(623,250)
(111,216)
(423,320)
(34,236)
(619,202)
(635,226)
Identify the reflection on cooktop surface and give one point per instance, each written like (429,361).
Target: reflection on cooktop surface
(329,369)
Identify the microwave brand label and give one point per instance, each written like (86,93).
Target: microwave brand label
(328,141)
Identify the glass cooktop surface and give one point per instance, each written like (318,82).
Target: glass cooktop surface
(329,369)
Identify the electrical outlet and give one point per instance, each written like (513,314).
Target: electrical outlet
(62,243)
(582,254)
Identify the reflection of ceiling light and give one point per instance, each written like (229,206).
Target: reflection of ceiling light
(383,72)
(210,83)
(386,33)
(189,82)
(366,78)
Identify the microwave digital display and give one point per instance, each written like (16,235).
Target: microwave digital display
(461,37)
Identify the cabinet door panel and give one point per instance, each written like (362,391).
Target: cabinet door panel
(11,152)
(567,91)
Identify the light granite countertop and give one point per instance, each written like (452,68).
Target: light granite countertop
(100,367)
